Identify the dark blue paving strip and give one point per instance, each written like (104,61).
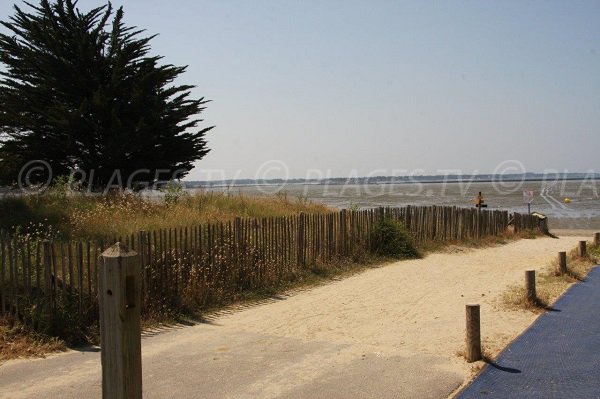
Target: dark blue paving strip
(557,357)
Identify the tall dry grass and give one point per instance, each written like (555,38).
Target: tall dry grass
(79,216)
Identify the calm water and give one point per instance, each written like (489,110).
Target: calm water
(583,212)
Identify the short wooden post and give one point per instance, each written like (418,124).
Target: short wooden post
(562,263)
(582,249)
(530,286)
(120,331)
(473,340)
(597,239)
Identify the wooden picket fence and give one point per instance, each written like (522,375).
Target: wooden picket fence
(214,263)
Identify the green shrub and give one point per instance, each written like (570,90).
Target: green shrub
(173,192)
(390,238)
(31,214)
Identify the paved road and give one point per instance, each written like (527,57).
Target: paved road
(558,357)
(198,362)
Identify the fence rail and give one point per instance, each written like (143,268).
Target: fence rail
(214,263)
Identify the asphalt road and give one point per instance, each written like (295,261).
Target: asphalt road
(199,361)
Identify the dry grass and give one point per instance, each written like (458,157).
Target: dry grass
(549,285)
(19,342)
(79,216)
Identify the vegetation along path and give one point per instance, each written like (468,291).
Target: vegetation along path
(556,358)
(391,332)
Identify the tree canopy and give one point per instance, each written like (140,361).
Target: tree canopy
(80,91)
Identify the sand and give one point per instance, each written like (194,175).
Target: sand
(395,331)
(415,306)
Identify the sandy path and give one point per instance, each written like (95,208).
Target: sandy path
(392,331)
(412,306)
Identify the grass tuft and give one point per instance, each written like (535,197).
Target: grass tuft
(18,341)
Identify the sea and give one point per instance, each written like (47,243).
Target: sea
(569,204)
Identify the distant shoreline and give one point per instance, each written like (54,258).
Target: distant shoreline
(367,181)
(380,180)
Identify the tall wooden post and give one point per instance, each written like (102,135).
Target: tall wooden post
(597,239)
(582,249)
(530,286)
(562,263)
(473,339)
(120,330)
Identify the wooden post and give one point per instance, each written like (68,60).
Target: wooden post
(48,274)
(582,249)
(473,341)
(2,274)
(530,286)
(79,251)
(343,232)
(120,300)
(562,263)
(301,241)
(597,239)
(142,238)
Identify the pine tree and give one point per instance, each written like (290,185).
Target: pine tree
(80,91)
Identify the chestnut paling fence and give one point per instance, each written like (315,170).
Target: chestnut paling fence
(214,263)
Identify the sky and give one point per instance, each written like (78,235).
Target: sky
(361,88)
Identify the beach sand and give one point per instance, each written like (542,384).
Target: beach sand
(415,306)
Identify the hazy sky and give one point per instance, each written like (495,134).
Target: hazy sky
(381,87)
